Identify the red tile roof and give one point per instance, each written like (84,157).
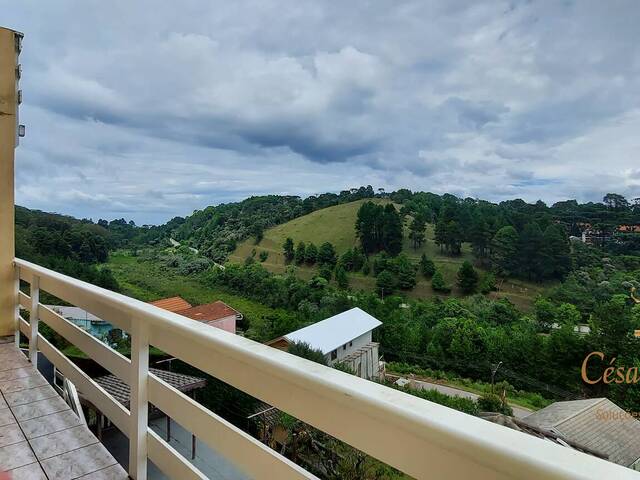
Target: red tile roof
(209,312)
(173,304)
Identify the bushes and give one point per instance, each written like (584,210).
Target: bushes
(437,283)
(490,402)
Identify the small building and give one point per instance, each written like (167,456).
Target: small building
(628,229)
(217,314)
(344,338)
(596,424)
(97,327)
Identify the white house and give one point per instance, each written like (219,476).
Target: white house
(344,338)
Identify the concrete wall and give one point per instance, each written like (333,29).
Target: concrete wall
(8,111)
(346,350)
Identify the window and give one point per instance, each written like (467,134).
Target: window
(344,347)
(334,354)
(350,343)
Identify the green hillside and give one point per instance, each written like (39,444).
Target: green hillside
(336,225)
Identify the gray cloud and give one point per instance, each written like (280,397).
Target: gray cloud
(148,110)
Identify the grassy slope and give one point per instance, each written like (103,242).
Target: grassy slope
(336,225)
(147,281)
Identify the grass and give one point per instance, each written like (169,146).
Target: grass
(337,225)
(148,281)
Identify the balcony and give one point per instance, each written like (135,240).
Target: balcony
(420,438)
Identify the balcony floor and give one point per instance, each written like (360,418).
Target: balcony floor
(40,436)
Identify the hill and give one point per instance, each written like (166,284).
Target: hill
(336,224)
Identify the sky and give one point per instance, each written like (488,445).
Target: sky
(147,110)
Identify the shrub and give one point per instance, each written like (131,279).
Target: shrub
(490,402)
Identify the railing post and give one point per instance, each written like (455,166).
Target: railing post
(139,405)
(16,305)
(33,320)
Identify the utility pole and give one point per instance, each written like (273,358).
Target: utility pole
(10,97)
(494,370)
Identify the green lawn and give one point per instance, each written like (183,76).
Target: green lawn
(337,225)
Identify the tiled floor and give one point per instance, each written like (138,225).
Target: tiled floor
(40,436)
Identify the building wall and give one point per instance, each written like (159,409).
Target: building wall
(346,350)
(227,324)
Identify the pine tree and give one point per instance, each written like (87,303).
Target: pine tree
(327,254)
(504,251)
(385,283)
(437,283)
(341,277)
(300,254)
(531,251)
(392,230)
(288,251)
(406,272)
(556,253)
(427,267)
(311,254)
(416,232)
(467,278)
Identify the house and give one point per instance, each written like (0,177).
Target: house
(217,314)
(628,229)
(344,338)
(597,424)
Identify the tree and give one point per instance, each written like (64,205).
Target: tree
(341,277)
(504,251)
(369,227)
(385,283)
(453,237)
(416,232)
(480,236)
(311,254)
(392,230)
(531,245)
(327,254)
(305,350)
(615,201)
(467,278)
(437,283)
(326,272)
(300,254)
(556,253)
(487,283)
(406,272)
(440,234)
(288,251)
(427,267)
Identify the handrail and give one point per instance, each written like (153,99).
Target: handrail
(418,437)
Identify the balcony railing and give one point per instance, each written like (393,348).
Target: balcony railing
(420,438)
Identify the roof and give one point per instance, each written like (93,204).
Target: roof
(172,304)
(209,312)
(333,332)
(596,423)
(520,426)
(122,393)
(76,313)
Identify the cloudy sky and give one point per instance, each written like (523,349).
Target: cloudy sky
(148,109)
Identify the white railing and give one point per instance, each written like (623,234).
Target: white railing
(420,438)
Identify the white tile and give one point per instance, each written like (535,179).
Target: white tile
(39,408)
(62,442)
(17,373)
(28,396)
(78,462)
(22,384)
(55,422)
(10,434)
(115,472)
(6,417)
(28,472)
(16,455)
